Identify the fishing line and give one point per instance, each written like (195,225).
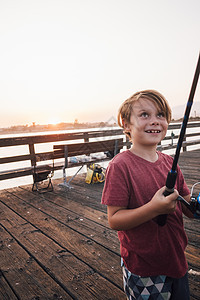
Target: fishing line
(171,178)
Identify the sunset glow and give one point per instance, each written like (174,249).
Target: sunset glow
(54,121)
(66,60)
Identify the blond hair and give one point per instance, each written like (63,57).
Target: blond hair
(158,99)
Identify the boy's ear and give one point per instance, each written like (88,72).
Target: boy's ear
(126,125)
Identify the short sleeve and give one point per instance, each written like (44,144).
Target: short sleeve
(181,184)
(116,188)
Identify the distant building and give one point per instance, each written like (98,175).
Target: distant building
(112,121)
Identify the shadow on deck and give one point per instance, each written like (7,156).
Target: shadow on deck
(58,245)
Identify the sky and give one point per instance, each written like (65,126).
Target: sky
(62,60)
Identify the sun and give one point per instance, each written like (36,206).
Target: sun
(54,121)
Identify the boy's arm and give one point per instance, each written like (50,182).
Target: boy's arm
(121,218)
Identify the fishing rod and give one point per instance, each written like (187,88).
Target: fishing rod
(171,178)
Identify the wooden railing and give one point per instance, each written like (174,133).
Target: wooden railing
(190,139)
(40,159)
(34,157)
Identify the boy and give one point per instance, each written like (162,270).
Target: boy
(153,260)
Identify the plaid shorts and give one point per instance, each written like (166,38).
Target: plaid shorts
(155,287)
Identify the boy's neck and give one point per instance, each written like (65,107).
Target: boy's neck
(148,153)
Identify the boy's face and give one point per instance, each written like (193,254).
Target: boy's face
(147,126)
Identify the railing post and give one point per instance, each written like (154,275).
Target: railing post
(86,139)
(172,138)
(32,153)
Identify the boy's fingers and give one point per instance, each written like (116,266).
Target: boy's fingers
(173,195)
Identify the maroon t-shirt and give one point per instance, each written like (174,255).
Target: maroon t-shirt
(148,249)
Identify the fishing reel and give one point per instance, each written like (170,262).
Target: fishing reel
(195,202)
(194,205)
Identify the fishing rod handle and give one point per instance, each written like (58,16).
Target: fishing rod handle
(170,183)
(162,219)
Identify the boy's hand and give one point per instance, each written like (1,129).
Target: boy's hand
(164,204)
(122,218)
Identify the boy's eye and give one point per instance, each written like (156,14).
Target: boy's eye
(161,115)
(144,114)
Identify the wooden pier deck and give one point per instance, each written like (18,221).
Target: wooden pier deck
(58,245)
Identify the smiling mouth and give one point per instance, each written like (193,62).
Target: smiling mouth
(153,131)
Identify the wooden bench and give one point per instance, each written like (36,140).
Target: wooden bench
(109,147)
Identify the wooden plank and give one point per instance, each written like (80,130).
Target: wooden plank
(89,194)
(194,283)
(63,210)
(87,148)
(82,246)
(192,254)
(87,246)
(4,160)
(39,157)
(85,196)
(48,138)
(176,136)
(60,197)
(191,143)
(194,288)
(44,156)
(6,292)
(16,173)
(23,172)
(72,273)
(87,222)
(178,126)
(185,144)
(23,275)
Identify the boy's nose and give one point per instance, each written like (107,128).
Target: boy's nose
(154,121)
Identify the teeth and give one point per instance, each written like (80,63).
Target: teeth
(153,131)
